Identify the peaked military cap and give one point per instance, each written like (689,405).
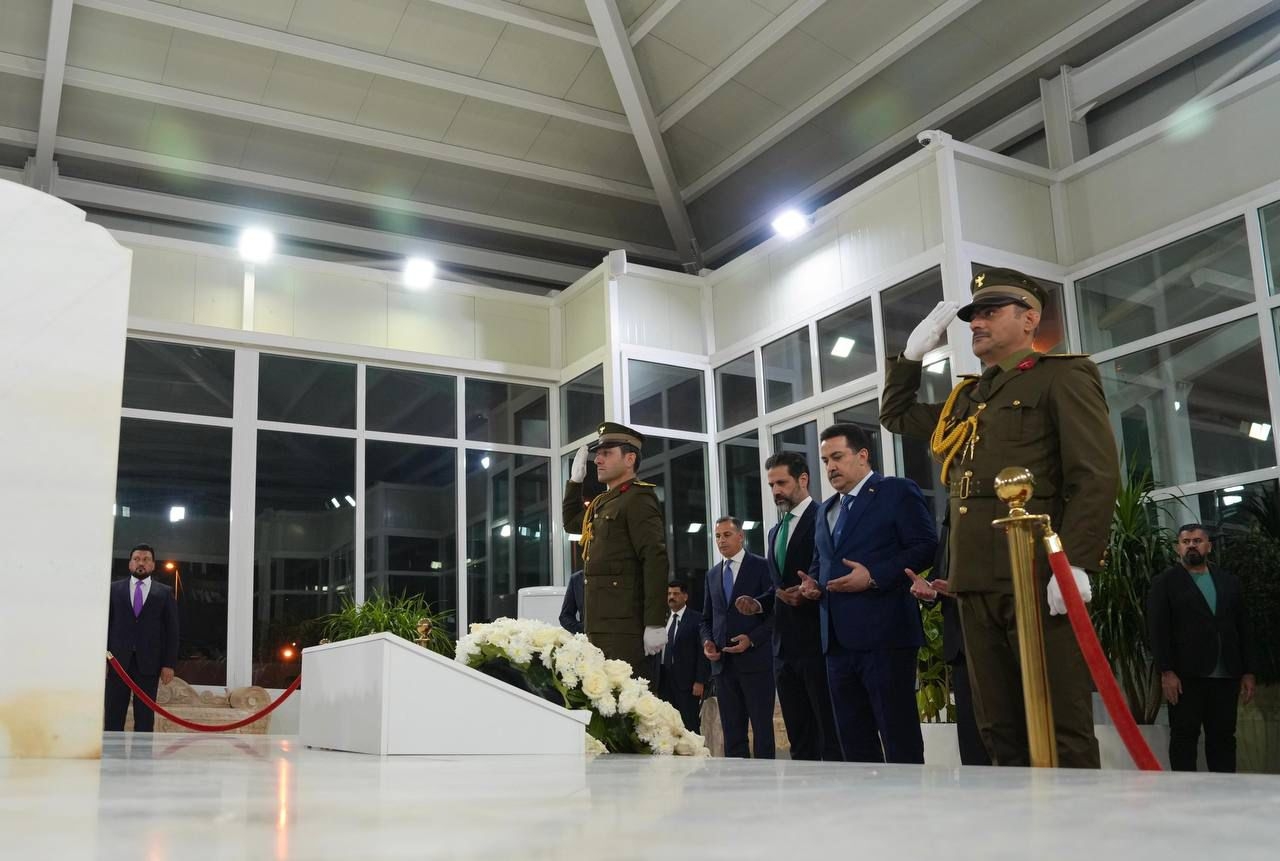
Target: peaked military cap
(995,287)
(612,434)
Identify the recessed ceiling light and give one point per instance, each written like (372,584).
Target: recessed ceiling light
(419,272)
(790,223)
(842,347)
(257,245)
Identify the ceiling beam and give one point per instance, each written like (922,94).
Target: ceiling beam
(51,91)
(351,58)
(101,82)
(131,200)
(1026,64)
(644,125)
(523,16)
(769,36)
(650,18)
(886,55)
(124,156)
(1003,134)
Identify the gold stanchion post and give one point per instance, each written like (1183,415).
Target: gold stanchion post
(1014,486)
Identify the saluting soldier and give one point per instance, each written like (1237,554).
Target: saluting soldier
(1044,412)
(624,549)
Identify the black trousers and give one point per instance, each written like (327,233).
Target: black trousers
(972,750)
(116,704)
(806,707)
(1211,704)
(689,706)
(746,697)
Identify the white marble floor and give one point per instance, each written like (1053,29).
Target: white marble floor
(248,797)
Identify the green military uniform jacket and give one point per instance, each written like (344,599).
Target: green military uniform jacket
(626,573)
(1044,412)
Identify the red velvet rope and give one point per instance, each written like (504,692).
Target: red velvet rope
(1099,667)
(199,727)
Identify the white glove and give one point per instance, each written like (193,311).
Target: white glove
(1057,606)
(654,638)
(578,472)
(929,333)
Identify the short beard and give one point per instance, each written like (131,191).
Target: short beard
(1193,558)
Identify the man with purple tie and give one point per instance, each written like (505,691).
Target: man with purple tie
(142,633)
(866,536)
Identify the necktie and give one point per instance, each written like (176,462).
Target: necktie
(780,543)
(669,657)
(137,599)
(846,503)
(728,581)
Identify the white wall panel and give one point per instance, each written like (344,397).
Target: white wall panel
(273,299)
(894,224)
(660,314)
(802,275)
(739,302)
(219,292)
(163,284)
(584,328)
(432,322)
(513,332)
(331,307)
(1201,163)
(1004,211)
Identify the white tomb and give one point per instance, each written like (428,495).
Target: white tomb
(381,694)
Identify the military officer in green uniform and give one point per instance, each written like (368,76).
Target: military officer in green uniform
(624,549)
(1036,410)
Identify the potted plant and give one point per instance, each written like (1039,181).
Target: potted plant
(394,614)
(933,673)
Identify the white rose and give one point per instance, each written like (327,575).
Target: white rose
(618,672)
(646,706)
(664,746)
(594,747)
(595,685)
(545,638)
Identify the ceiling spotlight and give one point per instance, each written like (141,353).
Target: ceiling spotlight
(336,503)
(176,513)
(419,272)
(349,500)
(790,223)
(505,531)
(257,245)
(1259,431)
(843,347)
(484,462)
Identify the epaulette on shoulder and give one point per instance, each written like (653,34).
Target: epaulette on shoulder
(638,483)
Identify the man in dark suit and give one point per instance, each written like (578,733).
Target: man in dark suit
(866,537)
(1201,644)
(799,667)
(571,609)
(142,634)
(680,668)
(739,646)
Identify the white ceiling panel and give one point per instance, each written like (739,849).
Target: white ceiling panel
(197,137)
(857,28)
(1002,24)
(793,70)
(529,200)
(536,61)
(365,24)
(691,154)
(630,10)
(459,186)
(120,46)
(668,73)
(105,119)
(24,27)
(871,113)
(397,106)
(711,30)
(574,10)
(495,128)
(777,7)
(733,115)
(218,67)
(286,153)
(378,171)
(445,38)
(264,13)
(19,102)
(317,89)
(594,86)
(564,143)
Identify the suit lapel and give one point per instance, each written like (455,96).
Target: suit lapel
(861,503)
(769,547)
(1189,582)
(802,534)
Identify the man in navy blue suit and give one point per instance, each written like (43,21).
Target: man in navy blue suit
(681,669)
(799,667)
(142,633)
(739,646)
(867,536)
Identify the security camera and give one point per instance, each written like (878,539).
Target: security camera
(925,138)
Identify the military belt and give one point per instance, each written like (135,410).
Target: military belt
(970,487)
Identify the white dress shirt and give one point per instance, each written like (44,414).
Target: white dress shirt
(737,565)
(679,616)
(796,514)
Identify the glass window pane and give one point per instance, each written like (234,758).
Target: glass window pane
(904,305)
(304,557)
(306,391)
(508,523)
(1271,244)
(507,413)
(665,396)
(742,483)
(411,533)
(736,392)
(803,439)
(679,469)
(1051,337)
(788,370)
(410,402)
(847,345)
(915,458)
(867,417)
(1195,408)
(1184,281)
(582,405)
(173,491)
(178,378)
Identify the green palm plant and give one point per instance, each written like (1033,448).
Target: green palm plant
(1139,548)
(394,614)
(933,673)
